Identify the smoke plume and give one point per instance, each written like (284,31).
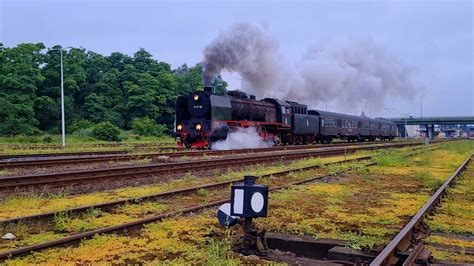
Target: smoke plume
(243,138)
(252,52)
(340,73)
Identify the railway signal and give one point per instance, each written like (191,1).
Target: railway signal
(248,201)
(224,217)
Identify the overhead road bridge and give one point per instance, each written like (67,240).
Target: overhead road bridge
(430,122)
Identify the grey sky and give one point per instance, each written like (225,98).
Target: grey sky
(435,37)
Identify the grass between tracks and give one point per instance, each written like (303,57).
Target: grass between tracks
(455,215)
(33,145)
(365,207)
(93,219)
(29,205)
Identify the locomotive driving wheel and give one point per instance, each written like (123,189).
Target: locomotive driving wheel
(208,146)
(277,140)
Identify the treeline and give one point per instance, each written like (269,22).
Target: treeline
(118,88)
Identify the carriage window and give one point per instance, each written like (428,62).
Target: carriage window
(328,122)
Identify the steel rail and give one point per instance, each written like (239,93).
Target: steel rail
(7,163)
(174,192)
(402,241)
(46,155)
(85,145)
(139,223)
(155,169)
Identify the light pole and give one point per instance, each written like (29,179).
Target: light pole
(389,109)
(63,124)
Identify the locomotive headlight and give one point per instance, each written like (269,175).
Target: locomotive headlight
(196,97)
(179,127)
(198,127)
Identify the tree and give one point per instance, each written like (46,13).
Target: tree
(20,77)
(94,108)
(46,112)
(116,88)
(17,115)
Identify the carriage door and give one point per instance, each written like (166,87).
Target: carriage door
(286,115)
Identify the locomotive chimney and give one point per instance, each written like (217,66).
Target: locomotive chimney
(209,89)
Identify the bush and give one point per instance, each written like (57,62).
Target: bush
(47,139)
(106,131)
(80,124)
(83,133)
(147,127)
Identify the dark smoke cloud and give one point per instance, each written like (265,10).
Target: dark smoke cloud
(341,73)
(252,52)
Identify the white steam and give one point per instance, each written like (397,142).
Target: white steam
(331,72)
(243,138)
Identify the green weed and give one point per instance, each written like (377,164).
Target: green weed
(188,177)
(62,221)
(203,192)
(390,158)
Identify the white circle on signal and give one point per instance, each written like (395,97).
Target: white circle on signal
(257,202)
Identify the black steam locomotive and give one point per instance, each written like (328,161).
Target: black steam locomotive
(204,117)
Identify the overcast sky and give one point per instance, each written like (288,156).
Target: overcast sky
(435,37)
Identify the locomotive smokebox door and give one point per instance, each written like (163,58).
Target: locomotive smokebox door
(249,200)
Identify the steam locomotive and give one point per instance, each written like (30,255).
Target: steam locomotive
(204,117)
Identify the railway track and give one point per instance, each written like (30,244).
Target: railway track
(140,222)
(97,145)
(402,250)
(18,161)
(5,158)
(77,177)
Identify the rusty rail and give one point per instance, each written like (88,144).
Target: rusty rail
(402,241)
